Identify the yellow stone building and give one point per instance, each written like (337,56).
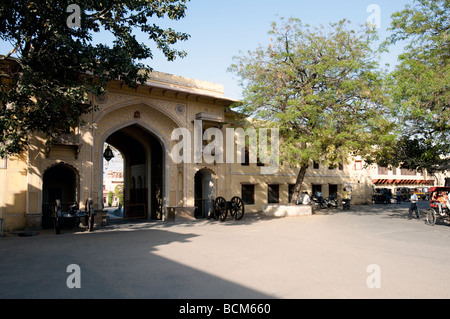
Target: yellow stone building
(139,123)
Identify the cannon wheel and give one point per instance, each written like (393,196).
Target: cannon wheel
(56,217)
(220,208)
(89,216)
(237,208)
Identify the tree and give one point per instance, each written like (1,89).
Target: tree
(118,191)
(419,86)
(321,88)
(110,198)
(57,63)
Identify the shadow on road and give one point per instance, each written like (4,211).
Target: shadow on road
(114,264)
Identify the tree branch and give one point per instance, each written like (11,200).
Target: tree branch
(12,51)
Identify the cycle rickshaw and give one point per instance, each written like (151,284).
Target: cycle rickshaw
(438,207)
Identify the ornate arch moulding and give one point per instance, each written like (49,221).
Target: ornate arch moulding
(125,100)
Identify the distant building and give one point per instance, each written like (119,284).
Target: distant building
(111,180)
(383,177)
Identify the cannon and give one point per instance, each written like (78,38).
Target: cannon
(73,215)
(235,206)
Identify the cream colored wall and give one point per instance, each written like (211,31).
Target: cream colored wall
(13,192)
(239,174)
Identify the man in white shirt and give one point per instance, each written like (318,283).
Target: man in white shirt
(305,199)
(414,199)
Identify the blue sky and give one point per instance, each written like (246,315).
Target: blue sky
(222,29)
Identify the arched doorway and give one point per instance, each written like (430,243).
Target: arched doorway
(143,159)
(59,182)
(203,193)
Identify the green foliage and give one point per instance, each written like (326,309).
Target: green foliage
(321,87)
(411,154)
(110,198)
(58,66)
(118,191)
(419,86)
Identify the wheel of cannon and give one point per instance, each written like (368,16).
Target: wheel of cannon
(237,208)
(220,209)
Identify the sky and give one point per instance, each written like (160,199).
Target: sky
(221,29)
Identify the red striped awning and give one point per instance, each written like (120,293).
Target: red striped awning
(402,181)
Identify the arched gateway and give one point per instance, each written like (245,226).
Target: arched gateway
(141,132)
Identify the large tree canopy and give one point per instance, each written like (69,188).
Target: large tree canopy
(420,86)
(322,88)
(57,64)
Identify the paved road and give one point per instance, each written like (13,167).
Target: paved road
(332,254)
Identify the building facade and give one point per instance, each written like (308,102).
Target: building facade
(140,124)
(112,182)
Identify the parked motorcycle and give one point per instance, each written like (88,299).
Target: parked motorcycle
(319,202)
(331,202)
(323,203)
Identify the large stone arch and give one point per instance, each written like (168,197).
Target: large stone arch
(159,124)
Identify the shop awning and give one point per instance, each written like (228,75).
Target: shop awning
(402,182)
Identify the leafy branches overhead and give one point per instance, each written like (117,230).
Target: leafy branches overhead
(59,65)
(419,86)
(321,87)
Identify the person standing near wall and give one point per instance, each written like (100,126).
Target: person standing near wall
(347,195)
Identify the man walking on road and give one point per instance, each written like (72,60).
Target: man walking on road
(414,199)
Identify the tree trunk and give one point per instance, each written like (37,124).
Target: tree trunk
(298,183)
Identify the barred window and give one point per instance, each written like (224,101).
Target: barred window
(273,194)
(248,194)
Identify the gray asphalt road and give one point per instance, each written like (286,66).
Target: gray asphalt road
(369,252)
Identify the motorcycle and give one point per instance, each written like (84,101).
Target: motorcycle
(319,202)
(324,203)
(331,202)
